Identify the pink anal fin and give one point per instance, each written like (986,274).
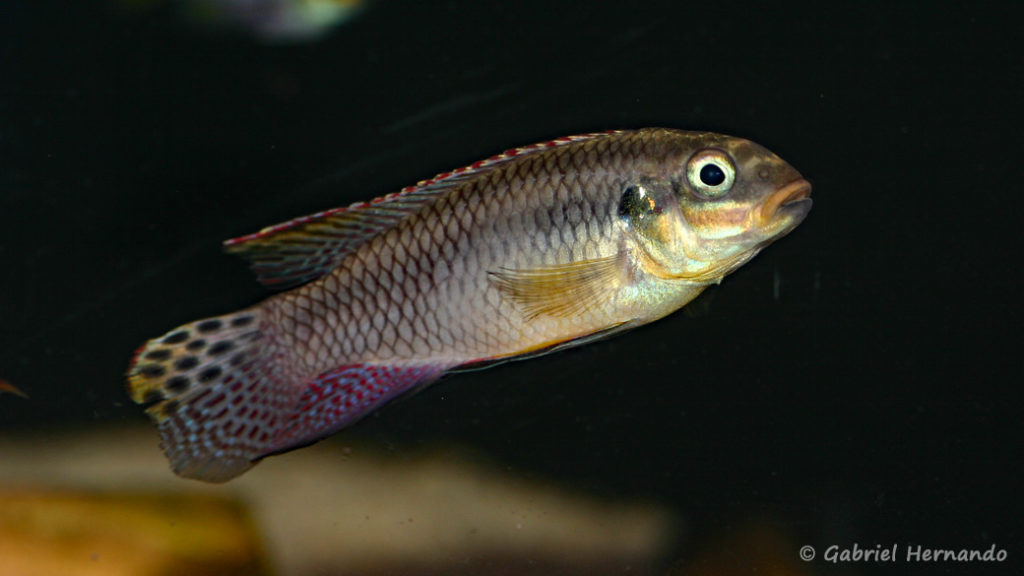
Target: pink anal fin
(341,397)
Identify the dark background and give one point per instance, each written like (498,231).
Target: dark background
(860,381)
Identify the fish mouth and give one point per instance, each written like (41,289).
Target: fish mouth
(791,202)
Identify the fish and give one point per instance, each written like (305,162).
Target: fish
(534,250)
(270,21)
(9,388)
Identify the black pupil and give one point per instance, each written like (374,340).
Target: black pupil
(711,175)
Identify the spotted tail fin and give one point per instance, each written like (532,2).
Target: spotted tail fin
(213,391)
(222,397)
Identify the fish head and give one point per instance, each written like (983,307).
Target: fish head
(711,204)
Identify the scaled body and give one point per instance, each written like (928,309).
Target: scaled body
(545,246)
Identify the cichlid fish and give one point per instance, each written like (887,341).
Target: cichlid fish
(537,249)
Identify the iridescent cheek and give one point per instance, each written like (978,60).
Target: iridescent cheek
(719,220)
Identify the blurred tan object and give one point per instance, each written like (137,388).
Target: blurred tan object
(753,547)
(336,509)
(81,533)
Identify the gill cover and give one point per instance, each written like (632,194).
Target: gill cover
(650,211)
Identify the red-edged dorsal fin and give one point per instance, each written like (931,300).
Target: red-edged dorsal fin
(303,249)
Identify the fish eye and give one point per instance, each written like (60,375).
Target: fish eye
(711,173)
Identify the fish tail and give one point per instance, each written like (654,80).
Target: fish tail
(223,395)
(198,382)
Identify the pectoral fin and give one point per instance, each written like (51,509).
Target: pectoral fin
(561,290)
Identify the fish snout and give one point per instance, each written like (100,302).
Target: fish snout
(791,202)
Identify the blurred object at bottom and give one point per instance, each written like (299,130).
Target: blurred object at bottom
(750,547)
(81,533)
(334,509)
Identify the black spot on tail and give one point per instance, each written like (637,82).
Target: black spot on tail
(160,354)
(152,371)
(210,374)
(169,408)
(152,397)
(220,347)
(207,326)
(241,321)
(196,345)
(177,385)
(186,363)
(176,337)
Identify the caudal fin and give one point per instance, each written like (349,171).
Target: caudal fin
(222,398)
(214,393)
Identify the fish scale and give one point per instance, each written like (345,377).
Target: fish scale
(482,336)
(537,249)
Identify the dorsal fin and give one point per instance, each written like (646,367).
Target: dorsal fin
(305,248)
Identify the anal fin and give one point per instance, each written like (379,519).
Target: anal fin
(340,397)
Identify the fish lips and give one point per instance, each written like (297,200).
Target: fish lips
(787,206)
